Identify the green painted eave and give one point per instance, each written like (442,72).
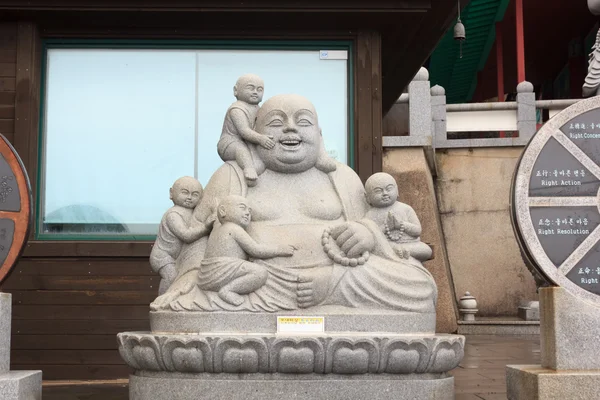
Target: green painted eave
(459,75)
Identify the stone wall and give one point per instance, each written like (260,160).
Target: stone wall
(473,191)
(415,186)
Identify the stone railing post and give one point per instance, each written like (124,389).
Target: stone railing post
(419,105)
(438,114)
(526,116)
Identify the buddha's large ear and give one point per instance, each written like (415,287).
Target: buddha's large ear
(324,162)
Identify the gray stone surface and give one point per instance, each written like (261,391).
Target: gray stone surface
(526,111)
(524,201)
(5,324)
(570,331)
(531,382)
(352,354)
(163,386)
(176,229)
(337,319)
(419,92)
(341,258)
(21,385)
(594,6)
(495,327)
(530,311)
(397,220)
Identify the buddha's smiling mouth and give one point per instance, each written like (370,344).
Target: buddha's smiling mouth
(290,143)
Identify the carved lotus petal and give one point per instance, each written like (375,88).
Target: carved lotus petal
(348,361)
(240,361)
(402,361)
(447,356)
(296,361)
(188,359)
(145,357)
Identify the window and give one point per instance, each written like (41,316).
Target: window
(120,123)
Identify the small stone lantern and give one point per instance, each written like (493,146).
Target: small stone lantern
(467,306)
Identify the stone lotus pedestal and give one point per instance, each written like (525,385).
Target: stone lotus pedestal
(14,385)
(570,369)
(361,354)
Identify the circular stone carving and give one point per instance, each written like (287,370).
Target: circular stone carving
(15,207)
(555,200)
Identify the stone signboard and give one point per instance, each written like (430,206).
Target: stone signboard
(15,207)
(556,200)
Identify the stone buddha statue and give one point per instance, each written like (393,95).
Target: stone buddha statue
(341,259)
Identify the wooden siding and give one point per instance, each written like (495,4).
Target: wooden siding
(8,77)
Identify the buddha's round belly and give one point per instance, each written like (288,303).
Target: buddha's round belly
(306,238)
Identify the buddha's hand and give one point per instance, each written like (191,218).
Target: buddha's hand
(353,238)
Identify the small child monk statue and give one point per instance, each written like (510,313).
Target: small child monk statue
(239,126)
(176,228)
(225,268)
(397,220)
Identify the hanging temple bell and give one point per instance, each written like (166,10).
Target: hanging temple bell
(460,34)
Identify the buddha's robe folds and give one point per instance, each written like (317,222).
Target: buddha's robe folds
(384,282)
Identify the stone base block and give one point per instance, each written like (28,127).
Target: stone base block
(570,328)
(532,382)
(21,385)
(175,386)
(529,314)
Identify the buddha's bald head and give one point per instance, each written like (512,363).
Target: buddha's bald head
(287,103)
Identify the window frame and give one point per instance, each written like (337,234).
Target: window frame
(173,44)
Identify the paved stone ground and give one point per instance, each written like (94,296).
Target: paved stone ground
(480,376)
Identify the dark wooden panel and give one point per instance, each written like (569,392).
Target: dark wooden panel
(376,92)
(111,283)
(56,312)
(83,297)
(62,342)
(7,126)
(87,249)
(8,56)
(85,391)
(363,110)
(27,98)
(7,111)
(66,357)
(77,372)
(78,326)
(8,36)
(7,99)
(84,267)
(8,70)
(7,84)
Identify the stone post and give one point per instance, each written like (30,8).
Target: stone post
(438,114)
(526,117)
(14,385)
(5,315)
(419,105)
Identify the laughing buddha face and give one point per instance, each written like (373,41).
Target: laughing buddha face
(291,121)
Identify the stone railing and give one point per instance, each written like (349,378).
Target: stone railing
(431,120)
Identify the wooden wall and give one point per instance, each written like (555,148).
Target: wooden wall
(8,75)
(70,299)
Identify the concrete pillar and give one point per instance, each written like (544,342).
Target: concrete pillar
(526,117)
(419,105)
